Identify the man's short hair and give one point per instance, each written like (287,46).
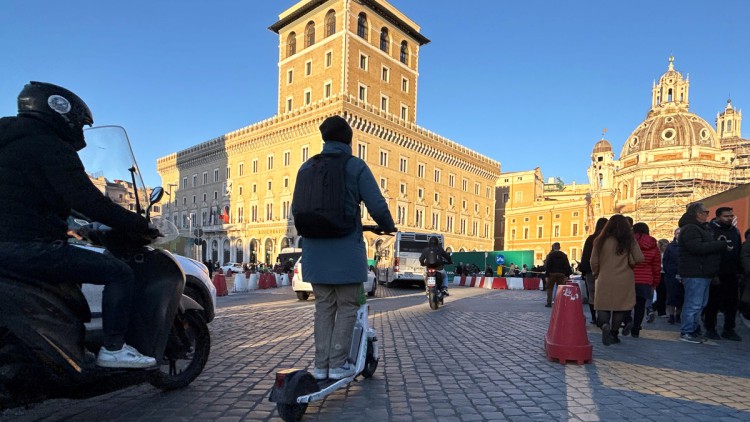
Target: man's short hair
(694,208)
(722,210)
(556,246)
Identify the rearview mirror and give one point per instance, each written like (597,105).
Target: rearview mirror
(156,195)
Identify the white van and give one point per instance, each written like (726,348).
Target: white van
(304,290)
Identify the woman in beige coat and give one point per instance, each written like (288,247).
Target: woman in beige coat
(614,255)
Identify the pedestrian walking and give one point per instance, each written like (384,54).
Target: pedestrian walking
(723,294)
(660,306)
(700,257)
(614,255)
(675,289)
(585,265)
(647,275)
(558,269)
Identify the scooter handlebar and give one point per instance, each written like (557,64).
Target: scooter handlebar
(376,229)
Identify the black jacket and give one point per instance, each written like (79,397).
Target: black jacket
(700,254)
(442,255)
(557,262)
(588,246)
(730,260)
(41,179)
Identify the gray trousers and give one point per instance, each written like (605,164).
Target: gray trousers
(335,313)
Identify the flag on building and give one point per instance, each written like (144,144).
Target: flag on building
(225,214)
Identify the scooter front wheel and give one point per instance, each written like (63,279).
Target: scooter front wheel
(187,352)
(371,364)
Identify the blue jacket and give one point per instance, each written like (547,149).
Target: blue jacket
(343,260)
(671,260)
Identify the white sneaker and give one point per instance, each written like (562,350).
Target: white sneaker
(127,357)
(345,371)
(320,374)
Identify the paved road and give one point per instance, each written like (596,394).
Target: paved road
(479,358)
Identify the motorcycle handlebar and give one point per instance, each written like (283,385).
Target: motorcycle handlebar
(376,229)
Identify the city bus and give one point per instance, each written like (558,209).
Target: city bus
(397,258)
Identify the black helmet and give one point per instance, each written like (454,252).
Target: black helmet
(433,241)
(46,99)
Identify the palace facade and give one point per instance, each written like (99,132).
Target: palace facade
(357,59)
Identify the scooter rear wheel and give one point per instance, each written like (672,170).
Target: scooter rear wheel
(433,298)
(190,343)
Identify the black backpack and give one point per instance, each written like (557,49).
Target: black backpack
(319,201)
(433,259)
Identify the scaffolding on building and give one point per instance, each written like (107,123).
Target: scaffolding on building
(660,203)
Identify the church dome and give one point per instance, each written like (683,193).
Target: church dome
(602,146)
(670,130)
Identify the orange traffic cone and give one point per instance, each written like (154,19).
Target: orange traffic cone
(566,338)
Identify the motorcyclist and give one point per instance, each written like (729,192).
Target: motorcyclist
(41,180)
(434,256)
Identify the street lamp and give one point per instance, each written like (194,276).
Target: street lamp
(169,193)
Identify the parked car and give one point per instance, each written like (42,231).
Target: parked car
(236,267)
(304,290)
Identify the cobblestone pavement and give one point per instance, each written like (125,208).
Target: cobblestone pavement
(478,358)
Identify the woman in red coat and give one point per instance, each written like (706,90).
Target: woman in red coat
(647,273)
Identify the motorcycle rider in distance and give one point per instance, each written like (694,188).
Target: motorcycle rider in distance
(41,180)
(434,256)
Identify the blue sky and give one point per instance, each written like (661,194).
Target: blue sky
(528,83)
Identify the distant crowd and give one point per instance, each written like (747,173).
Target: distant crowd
(696,276)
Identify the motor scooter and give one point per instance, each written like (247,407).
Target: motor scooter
(434,295)
(48,335)
(294,389)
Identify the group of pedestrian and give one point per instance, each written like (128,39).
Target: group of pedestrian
(695,276)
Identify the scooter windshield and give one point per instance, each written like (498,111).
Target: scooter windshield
(108,158)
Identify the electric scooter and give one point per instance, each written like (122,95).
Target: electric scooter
(294,389)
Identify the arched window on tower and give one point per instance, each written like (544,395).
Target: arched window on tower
(729,125)
(330,23)
(404,53)
(362,26)
(310,34)
(669,95)
(385,40)
(291,44)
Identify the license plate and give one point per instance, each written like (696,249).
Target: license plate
(430,281)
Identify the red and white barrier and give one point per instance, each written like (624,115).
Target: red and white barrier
(499,283)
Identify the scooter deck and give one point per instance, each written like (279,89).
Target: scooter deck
(326,387)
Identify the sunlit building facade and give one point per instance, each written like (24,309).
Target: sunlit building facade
(357,59)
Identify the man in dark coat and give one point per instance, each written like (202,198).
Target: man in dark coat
(41,180)
(557,270)
(434,256)
(725,295)
(700,257)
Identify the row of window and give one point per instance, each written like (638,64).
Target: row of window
(540,232)
(363,29)
(287,157)
(541,217)
(212,217)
